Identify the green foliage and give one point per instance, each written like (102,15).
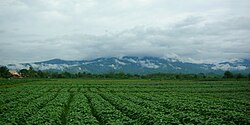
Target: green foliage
(24,72)
(4,72)
(93,101)
(31,73)
(239,76)
(228,74)
(80,112)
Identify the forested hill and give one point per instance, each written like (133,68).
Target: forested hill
(135,65)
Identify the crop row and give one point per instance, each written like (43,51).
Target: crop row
(80,111)
(182,117)
(17,93)
(51,113)
(143,115)
(202,109)
(121,102)
(20,99)
(104,112)
(20,113)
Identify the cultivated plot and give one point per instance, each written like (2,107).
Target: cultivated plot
(78,101)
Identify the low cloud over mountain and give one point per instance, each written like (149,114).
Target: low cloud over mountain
(135,65)
(197,31)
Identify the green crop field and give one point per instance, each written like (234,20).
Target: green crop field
(79,101)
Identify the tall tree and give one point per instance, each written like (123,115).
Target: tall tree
(32,72)
(4,72)
(239,76)
(24,72)
(228,74)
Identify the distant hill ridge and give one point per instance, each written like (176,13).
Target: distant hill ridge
(135,65)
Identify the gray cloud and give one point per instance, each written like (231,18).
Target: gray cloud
(193,30)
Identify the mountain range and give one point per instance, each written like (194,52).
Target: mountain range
(135,65)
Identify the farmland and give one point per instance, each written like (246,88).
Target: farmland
(79,101)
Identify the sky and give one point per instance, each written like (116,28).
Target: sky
(198,31)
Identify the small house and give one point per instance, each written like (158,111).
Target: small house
(15,74)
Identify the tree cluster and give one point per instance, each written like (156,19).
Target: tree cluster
(4,72)
(230,75)
(31,73)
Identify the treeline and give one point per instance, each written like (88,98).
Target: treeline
(31,73)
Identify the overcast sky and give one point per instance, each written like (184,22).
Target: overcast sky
(191,30)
